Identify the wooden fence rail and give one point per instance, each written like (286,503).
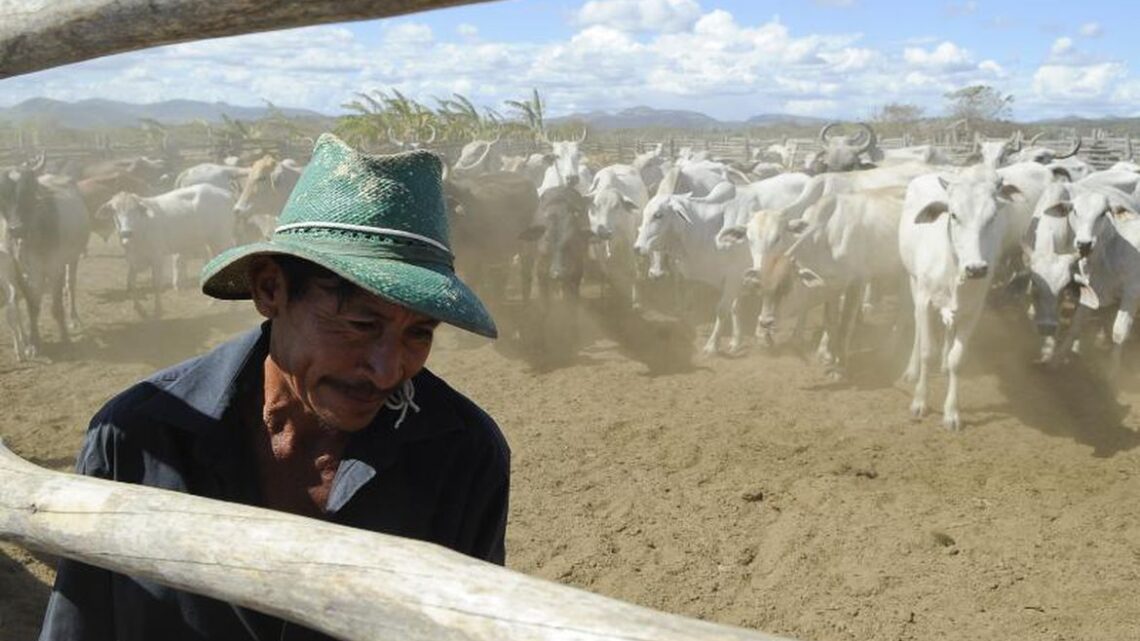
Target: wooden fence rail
(351,584)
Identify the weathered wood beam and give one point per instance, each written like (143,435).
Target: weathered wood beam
(351,584)
(40,34)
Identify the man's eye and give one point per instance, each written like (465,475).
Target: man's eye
(423,333)
(363,325)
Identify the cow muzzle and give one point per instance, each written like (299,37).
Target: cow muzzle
(977,270)
(1084,248)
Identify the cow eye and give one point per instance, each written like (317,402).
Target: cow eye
(658,215)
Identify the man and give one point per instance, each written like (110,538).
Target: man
(326,410)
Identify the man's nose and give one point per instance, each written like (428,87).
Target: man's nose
(384,363)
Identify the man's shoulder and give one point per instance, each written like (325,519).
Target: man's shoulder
(473,422)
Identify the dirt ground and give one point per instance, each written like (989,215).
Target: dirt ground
(750,490)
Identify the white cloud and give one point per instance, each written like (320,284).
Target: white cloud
(1061,46)
(841,4)
(969,7)
(1091,30)
(467,30)
(407,33)
(1079,83)
(667,16)
(810,107)
(992,67)
(947,56)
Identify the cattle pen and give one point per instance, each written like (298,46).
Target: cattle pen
(656,493)
(366,586)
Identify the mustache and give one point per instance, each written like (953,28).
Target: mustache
(361,389)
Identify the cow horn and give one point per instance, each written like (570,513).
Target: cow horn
(1014,142)
(872,139)
(433,133)
(977,140)
(1073,151)
(582,138)
(392,139)
(1035,138)
(826,128)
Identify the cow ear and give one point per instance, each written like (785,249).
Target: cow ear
(1061,174)
(684,215)
(731,236)
(809,278)
(629,204)
(931,212)
(1059,210)
(534,232)
(1121,212)
(797,226)
(1010,193)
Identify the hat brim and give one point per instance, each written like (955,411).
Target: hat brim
(433,291)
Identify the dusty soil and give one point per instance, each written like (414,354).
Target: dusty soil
(750,490)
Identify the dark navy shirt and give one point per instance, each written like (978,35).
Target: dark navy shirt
(441,477)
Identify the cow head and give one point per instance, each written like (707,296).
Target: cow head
(478,157)
(20,197)
(1092,210)
(610,212)
(660,219)
(414,143)
(562,232)
(1045,155)
(974,223)
(842,153)
(132,219)
(1046,246)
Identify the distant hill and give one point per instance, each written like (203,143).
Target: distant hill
(96,112)
(647,117)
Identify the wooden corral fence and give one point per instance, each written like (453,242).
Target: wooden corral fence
(1097,148)
(348,583)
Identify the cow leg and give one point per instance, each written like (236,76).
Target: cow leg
(176,271)
(1069,342)
(924,348)
(156,289)
(714,337)
(1121,328)
(72,291)
(737,326)
(845,331)
(960,332)
(13,316)
(58,309)
(823,353)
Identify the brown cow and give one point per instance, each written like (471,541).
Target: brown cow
(96,191)
(266,189)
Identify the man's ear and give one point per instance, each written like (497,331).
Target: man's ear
(267,286)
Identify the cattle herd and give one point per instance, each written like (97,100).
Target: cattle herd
(848,228)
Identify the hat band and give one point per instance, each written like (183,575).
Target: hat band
(405,252)
(383,231)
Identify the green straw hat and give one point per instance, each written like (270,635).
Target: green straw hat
(378,221)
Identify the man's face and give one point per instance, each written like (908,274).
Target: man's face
(341,361)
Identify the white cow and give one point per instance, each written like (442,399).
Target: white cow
(652,166)
(478,157)
(569,160)
(175,224)
(1106,231)
(1051,259)
(11,293)
(617,197)
(694,224)
(842,244)
(950,237)
(208,173)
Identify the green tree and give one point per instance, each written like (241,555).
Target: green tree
(979,103)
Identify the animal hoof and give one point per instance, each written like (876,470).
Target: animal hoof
(917,410)
(952,422)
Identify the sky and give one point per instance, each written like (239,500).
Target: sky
(730,59)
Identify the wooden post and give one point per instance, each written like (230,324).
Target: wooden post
(351,584)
